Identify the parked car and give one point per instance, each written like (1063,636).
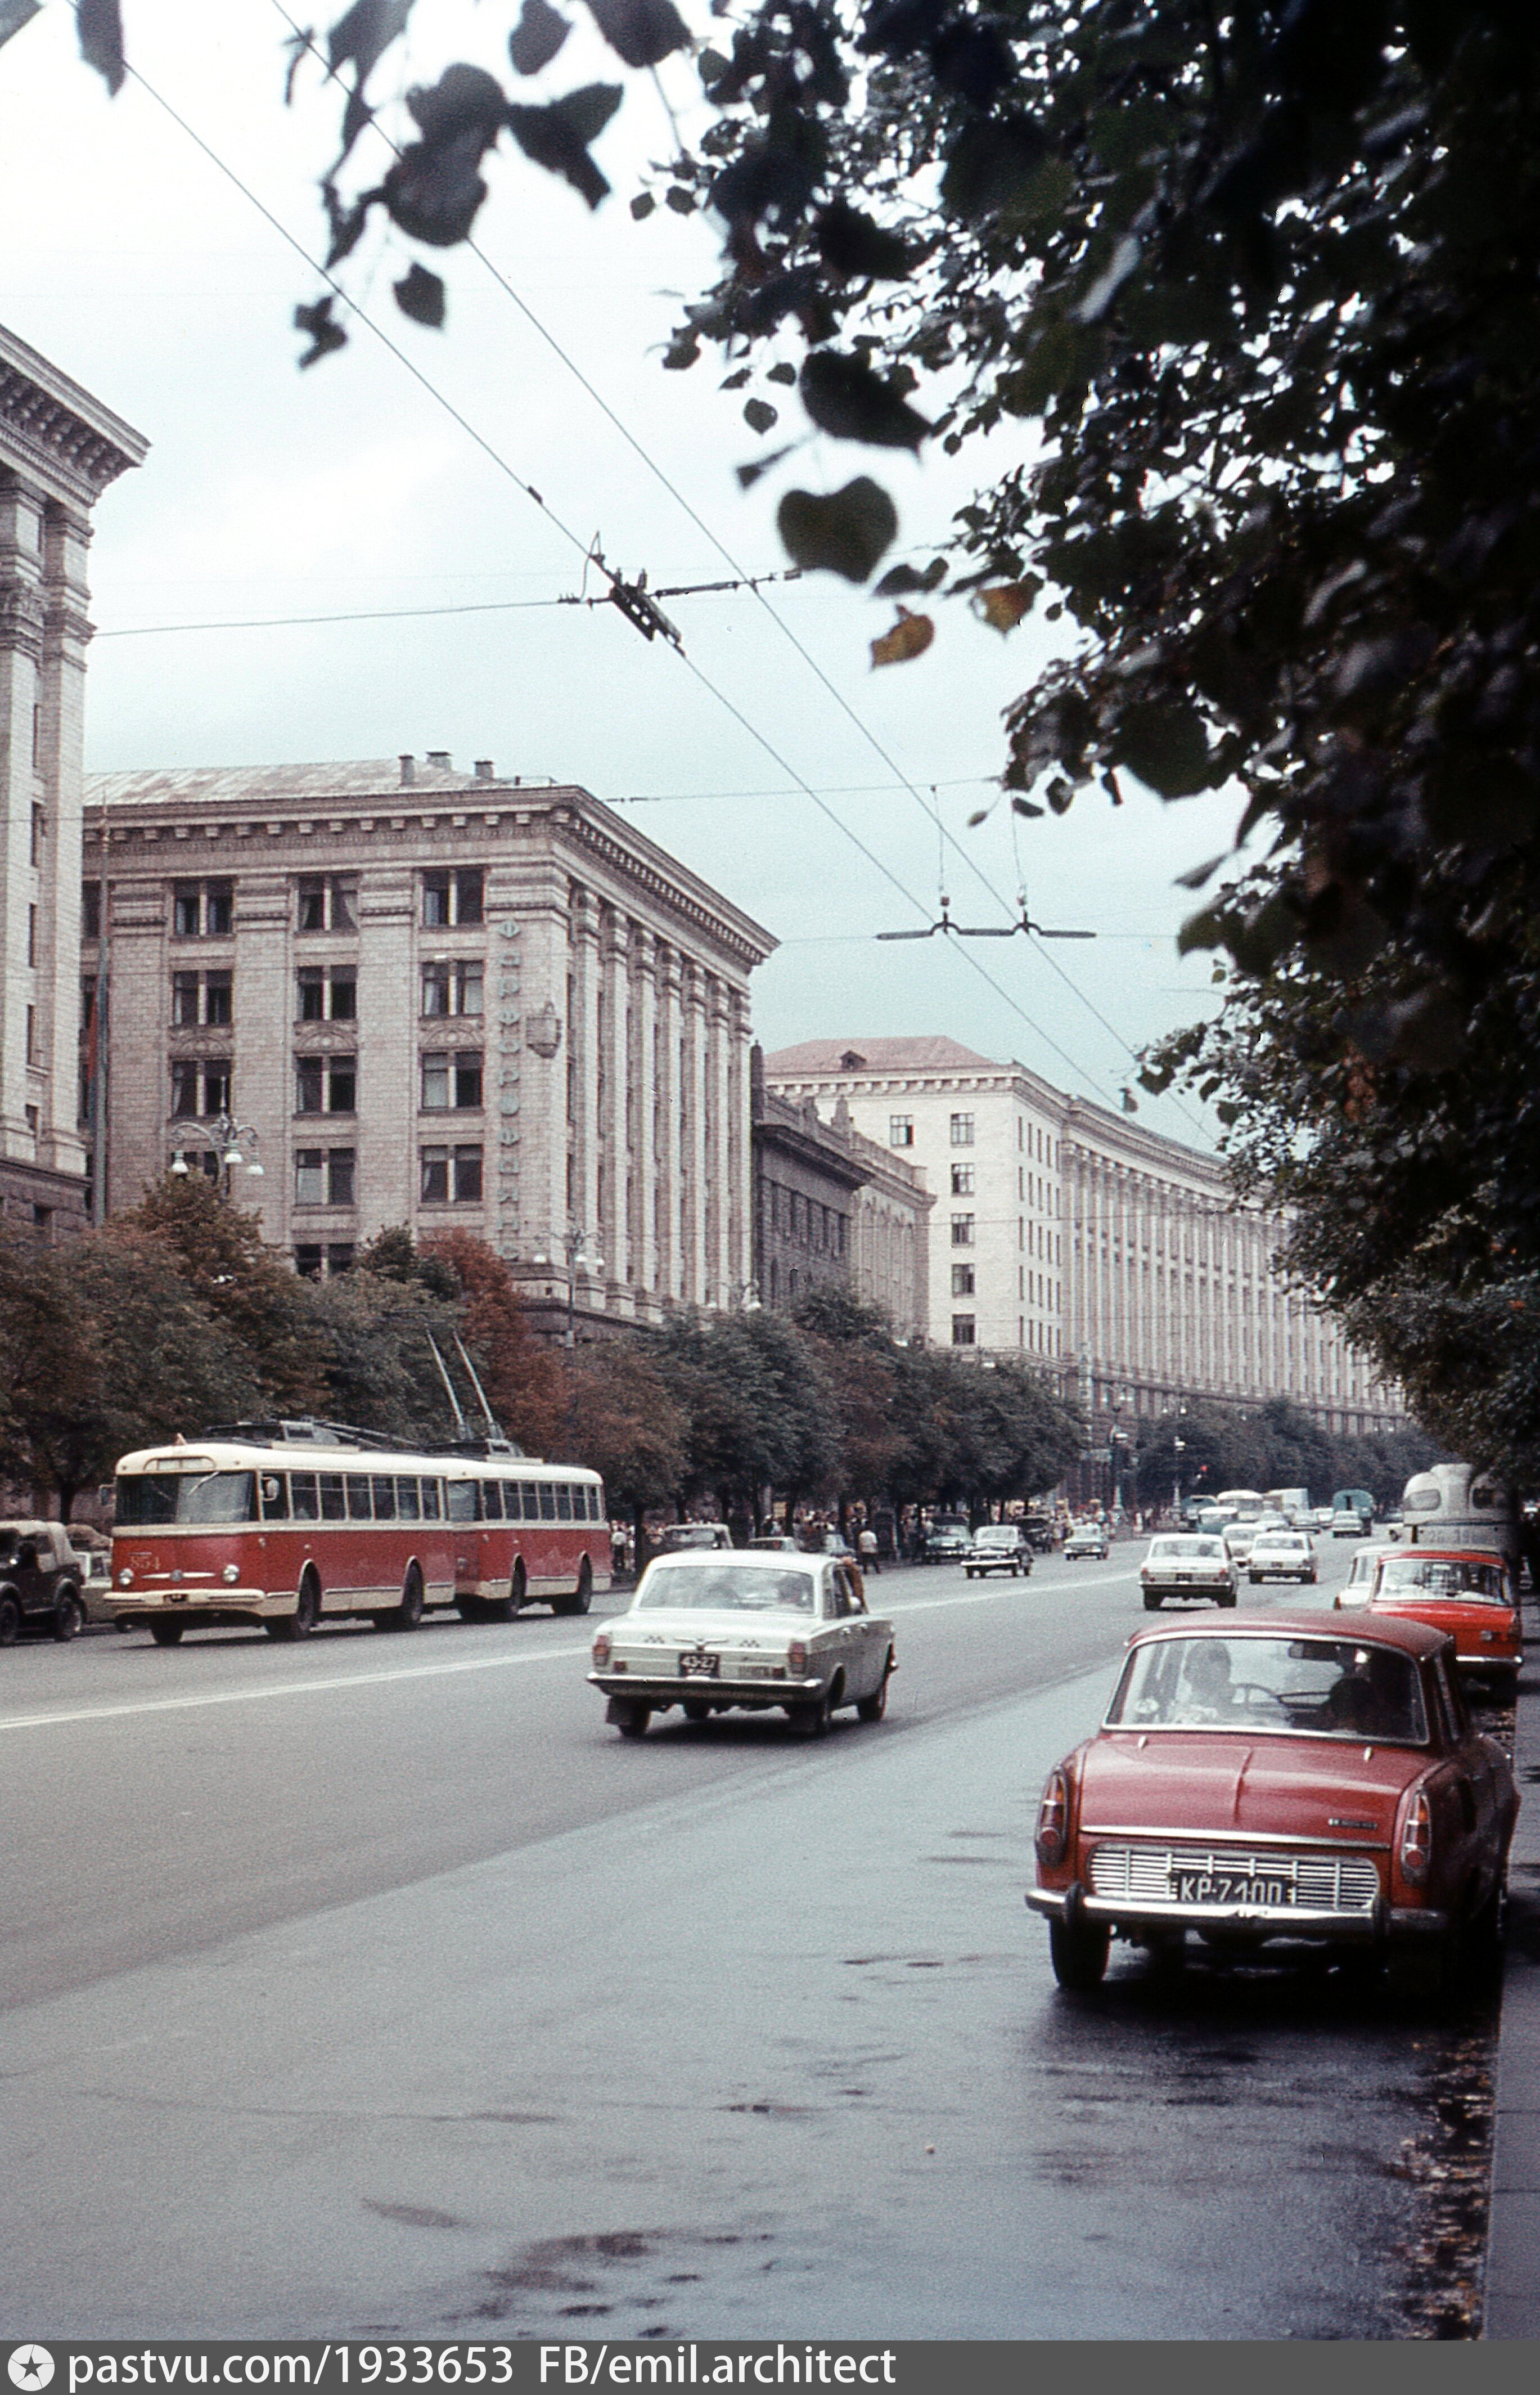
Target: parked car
(947,1541)
(711,1632)
(1281,1554)
(821,1541)
(1467,1591)
(680,1538)
(1357,1587)
(1187,1564)
(1265,1782)
(1087,1538)
(998,1546)
(41,1579)
(776,1543)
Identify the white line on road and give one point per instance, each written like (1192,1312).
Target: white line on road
(286,1688)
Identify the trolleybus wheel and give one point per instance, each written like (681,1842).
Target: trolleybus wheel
(582,1595)
(167,1633)
(409,1612)
(306,1614)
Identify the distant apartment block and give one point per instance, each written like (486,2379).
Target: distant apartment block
(437,998)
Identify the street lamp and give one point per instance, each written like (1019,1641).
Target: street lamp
(1180,1446)
(224,1136)
(572,1248)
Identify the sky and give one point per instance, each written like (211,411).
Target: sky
(391,479)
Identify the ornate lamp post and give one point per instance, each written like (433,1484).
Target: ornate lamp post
(230,1140)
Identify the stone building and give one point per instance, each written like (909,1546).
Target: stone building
(833,1208)
(60,449)
(1073,1235)
(439,998)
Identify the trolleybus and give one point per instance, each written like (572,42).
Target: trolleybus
(286,1523)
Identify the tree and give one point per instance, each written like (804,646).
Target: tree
(218,1251)
(521,1376)
(627,1425)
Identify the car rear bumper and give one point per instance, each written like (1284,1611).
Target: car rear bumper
(658,1692)
(1385,1924)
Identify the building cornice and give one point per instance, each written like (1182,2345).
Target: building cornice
(75,445)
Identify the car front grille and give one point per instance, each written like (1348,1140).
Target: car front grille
(1323,1883)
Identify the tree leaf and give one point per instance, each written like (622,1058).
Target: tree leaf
(901,579)
(420,296)
(1003,605)
(851,243)
(846,399)
(365,33)
(99,26)
(909,638)
(748,475)
(844,534)
(782,373)
(1196,875)
(641,31)
(558,136)
(758,415)
(536,38)
(1163,741)
(316,320)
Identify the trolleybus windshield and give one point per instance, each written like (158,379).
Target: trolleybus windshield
(147,1498)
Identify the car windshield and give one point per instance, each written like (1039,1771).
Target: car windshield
(1187,1550)
(1276,1543)
(725,1588)
(1443,1576)
(1328,1688)
(1000,1535)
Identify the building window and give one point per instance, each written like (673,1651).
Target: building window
(962,1230)
(450,898)
(327,993)
(328,902)
(90,910)
(963,1330)
(324,1176)
(40,821)
(201,909)
(450,1175)
(467,1176)
(453,989)
(962,1281)
(901,1131)
(184,999)
(962,1131)
(339,1256)
(961,1180)
(307,1261)
(451,1078)
(327,1085)
(34,1117)
(218,997)
(32,938)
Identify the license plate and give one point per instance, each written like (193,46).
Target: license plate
(700,1667)
(1184,1579)
(1231,1887)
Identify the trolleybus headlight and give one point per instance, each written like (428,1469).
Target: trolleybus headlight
(231,1574)
(125,1578)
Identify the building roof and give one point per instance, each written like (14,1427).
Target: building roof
(362,778)
(840,1058)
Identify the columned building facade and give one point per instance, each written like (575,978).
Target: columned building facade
(1075,1238)
(60,449)
(437,1000)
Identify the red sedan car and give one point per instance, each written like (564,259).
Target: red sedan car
(1281,1777)
(1465,1591)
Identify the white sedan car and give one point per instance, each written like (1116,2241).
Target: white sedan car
(1188,1564)
(1087,1539)
(709,1633)
(1281,1554)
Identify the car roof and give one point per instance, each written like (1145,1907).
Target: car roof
(1389,1630)
(1449,1554)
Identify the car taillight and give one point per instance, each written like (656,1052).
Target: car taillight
(796,1659)
(1416,1839)
(1053,1817)
(602,1650)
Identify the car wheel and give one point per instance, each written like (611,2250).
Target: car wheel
(582,1595)
(811,1720)
(11,1621)
(1227,1597)
(694,1710)
(872,1708)
(167,1633)
(633,1721)
(1078,1951)
(1152,1600)
(68,1616)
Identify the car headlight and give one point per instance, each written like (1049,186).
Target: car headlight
(231,1574)
(125,1578)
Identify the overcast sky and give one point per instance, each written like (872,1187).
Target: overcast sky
(139,266)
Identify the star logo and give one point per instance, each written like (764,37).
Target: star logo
(31,2366)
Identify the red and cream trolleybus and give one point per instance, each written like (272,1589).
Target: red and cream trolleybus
(283,1523)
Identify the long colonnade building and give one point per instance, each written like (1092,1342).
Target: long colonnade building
(1077,1238)
(439,999)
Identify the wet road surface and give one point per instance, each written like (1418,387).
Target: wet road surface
(376,1987)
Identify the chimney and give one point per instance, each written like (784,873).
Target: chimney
(757,1083)
(409,771)
(485,769)
(439,757)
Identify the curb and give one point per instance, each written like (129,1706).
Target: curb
(1511,2310)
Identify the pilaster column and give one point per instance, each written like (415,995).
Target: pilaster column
(614,1230)
(22,614)
(740,1177)
(644,1112)
(582,1071)
(668,1126)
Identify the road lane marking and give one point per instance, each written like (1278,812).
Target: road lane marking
(934,1604)
(286,1688)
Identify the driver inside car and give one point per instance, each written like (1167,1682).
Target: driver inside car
(1205,1694)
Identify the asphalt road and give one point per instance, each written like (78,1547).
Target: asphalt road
(374,1986)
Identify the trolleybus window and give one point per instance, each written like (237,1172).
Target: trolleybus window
(513,1500)
(492,1502)
(547,1500)
(304,1502)
(432,1508)
(406,1498)
(334,1502)
(359,1507)
(143,1501)
(275,1497)
(563,1501)
(462,1501)
(385,1497)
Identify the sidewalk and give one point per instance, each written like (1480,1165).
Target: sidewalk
(1512,2308)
